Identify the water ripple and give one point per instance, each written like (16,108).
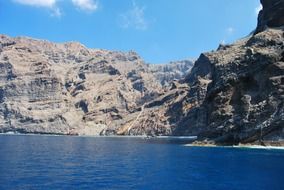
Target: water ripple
(47,162)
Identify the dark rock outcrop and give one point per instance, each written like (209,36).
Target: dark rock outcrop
(233,95)
(243,98)
(272,15)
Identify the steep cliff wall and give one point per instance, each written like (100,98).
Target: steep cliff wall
(233,95)
(166,73)
(272,15)
(244,94)
(69,89)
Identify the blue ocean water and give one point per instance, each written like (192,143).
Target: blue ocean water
(60,162)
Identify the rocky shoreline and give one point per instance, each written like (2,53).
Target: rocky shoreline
(261,145)
(268,145)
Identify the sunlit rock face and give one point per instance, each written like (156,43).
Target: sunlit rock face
(69,89)
(166,73)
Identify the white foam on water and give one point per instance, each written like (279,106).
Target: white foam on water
(241,146)
(260,147)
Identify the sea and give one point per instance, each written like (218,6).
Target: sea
(30,162)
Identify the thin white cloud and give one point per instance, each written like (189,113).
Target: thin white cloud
(50,4)
(258,8)
(86,5)
(134,18)
(56,12)
(228,33)
(37,3)
(230,30)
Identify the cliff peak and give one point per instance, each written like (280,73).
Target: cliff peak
(271,15)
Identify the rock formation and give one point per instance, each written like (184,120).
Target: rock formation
(175,70)
(69,89)
(272,15)
(233,95)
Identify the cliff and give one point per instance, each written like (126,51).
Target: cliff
(69,89)
(232,95)
(272,15)
(175,70)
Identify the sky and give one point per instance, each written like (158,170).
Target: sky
(158,30)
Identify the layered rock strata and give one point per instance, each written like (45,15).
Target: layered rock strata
(69,89)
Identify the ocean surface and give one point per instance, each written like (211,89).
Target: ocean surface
(61,162)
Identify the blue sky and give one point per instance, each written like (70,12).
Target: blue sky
(159,30)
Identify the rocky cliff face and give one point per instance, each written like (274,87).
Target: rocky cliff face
(242,97)
(166,73)
(272,15)
(69,89)
(233,95)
